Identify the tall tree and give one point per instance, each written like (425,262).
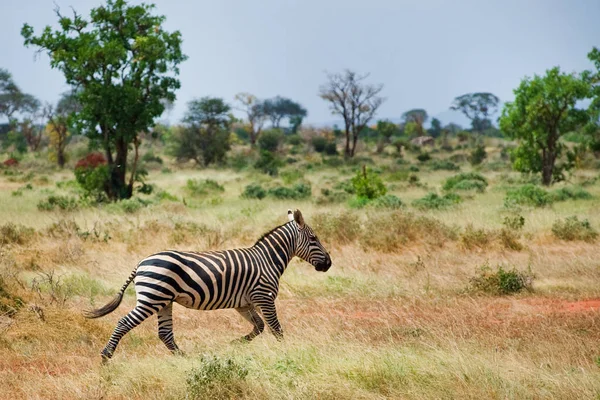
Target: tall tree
(385,130)
(205,135)
(124,65)
(59,127)
(414,121)
(279,108)
(436,128)
(593,78)
(544,109)
(255,112)
(12,99)
(477,107)
(355,101)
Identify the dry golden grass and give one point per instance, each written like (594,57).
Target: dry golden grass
(397,322)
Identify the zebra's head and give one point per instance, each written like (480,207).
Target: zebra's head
(308,247)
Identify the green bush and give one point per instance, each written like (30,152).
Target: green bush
(572,228)
(254,191)
(472,180)
(151,157)
(290,176)
(423,157)
(570,193)
(432,201)
(529,195)
(294,140)
(296,192)
(94,180)
(270,140)
(413,168)
(444,165)
(478,154)
(501,281)
(197,187)
(268,163)
(332,196)
(51,203)
(368,185)
(514,222)
(388,201)
(216,378)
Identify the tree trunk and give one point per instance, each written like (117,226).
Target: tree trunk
(354,141)
(118,188)
(347,148)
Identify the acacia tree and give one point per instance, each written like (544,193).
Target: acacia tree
(12,99)
(205,135)
(255,112)
(477,107)
(124,65)
(414,121)
(355,101)
(544,110)
(279,108)
(593,77)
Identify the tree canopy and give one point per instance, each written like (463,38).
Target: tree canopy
(279,108)
(414,120)
(477,107)
(124,65)
(355,101)
(544,109)
(12,99)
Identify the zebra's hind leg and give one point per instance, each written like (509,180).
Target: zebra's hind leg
(165,328)
(125,324)
(250,314)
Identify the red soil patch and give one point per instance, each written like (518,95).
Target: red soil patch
(578,306)
(548,305)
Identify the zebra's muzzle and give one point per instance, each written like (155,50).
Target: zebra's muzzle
(323,267)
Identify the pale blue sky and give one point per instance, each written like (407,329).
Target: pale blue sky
(425,52)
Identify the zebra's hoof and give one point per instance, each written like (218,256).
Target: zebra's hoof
(242,340)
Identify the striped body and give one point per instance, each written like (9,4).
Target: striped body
(244,279)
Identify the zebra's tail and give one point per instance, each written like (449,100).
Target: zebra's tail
(113,304)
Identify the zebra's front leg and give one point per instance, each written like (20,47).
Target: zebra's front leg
(250,314)
(165,328)
(270,313)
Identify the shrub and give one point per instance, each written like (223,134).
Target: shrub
(510,239)
(291,176)
(423,157)
(472,237)
(478,154)
(432,201)
(216,378)
(368,185)
(527,195)
(254,191)
(571,228)
(388,201)
(197,187)
(64,203)
(319,143)
(92,174)
(151,157)
(445,165)
(514,222)
(132,205)
(17,234)
(268,163)
(296,192)
(270,140)
(568,193)
(413,168)
(294,140)
(472,180)
(501,281)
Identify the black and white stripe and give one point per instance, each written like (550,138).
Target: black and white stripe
(244,279)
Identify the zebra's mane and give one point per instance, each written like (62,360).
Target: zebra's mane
(264,235)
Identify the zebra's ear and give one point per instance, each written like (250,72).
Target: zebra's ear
(298,218)
(290,215)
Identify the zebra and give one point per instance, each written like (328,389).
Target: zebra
(246,279)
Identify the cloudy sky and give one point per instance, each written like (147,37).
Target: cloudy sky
(425,52)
